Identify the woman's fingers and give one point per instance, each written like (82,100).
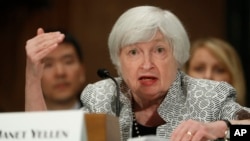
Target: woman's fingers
(40,31)
(192,130)
(38,47)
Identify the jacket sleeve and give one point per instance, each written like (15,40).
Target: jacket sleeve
(99,97)
(227,97)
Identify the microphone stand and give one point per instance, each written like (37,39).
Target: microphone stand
(117,110)
(103,73)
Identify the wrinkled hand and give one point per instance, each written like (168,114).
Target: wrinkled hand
(192,130)
(38,47)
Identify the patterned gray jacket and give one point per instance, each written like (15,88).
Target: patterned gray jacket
(188,98)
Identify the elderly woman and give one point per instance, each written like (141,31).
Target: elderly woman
(148,46)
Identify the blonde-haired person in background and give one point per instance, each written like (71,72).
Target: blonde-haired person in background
(215,59)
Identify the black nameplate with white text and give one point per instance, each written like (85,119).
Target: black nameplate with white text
(240,133)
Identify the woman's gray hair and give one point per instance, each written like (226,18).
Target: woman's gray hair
(140,24)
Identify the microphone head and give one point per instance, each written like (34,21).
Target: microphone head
(103,73)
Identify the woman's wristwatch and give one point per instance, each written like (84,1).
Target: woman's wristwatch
(227,132)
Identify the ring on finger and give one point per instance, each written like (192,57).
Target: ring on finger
(189,133)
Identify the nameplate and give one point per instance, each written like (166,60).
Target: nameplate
(239,132)
(40,126)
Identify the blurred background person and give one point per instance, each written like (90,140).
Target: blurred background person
(215,59)
(64,73)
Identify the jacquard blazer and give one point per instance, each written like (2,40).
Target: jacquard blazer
(187,98)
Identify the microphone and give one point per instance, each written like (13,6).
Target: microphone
(103,73)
